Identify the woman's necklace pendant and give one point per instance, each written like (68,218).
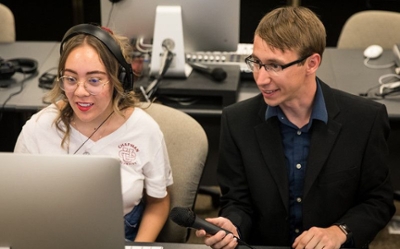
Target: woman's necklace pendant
(86,153)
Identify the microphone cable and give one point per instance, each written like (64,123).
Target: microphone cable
(241,242)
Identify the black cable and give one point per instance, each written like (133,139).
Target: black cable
(390,92)
(241,242)
(367,93)
(15,93)
(167,60)
(109,14)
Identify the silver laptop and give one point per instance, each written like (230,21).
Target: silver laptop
(60,201)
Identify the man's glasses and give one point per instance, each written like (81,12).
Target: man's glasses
(255,65)
(93,85)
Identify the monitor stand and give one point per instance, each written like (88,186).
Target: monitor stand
(168,30)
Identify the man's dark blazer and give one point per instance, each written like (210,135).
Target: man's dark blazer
(346,181)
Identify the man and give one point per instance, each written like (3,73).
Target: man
(301,164)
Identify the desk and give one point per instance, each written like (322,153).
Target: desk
(344,69)
(341,68)
(191,246)
(30,97)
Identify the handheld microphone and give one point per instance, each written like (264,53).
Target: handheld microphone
(185,217)
(218,74)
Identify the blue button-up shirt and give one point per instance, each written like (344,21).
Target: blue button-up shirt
(296,144)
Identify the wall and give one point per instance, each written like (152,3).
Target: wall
(36,22)
(48,20)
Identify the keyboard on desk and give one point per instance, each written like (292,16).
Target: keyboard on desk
(225,57)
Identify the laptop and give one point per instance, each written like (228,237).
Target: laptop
(60,201)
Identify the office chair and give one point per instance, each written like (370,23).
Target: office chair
(7,24)
(187,146)
(370,27)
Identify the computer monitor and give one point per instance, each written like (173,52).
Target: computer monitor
(193,25)
(60,201)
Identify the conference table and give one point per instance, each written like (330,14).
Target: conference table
(340,68)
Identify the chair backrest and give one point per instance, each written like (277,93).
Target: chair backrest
(371,27)
(7,24)
(187,146)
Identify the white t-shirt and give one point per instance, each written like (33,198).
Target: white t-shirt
(138,143)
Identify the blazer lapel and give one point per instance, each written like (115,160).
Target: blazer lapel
(269,139)
(322,139)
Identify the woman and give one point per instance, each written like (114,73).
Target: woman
(94,112)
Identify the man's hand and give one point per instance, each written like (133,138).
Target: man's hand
(220,239)
(320,238)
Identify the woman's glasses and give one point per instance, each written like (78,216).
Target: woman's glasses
(93,85)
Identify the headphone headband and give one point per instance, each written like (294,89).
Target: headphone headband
(126,74)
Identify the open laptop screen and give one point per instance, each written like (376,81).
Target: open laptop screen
(60,201)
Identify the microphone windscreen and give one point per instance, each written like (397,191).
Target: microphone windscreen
(182,216)
(218,74)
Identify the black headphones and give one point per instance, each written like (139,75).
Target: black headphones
(23,65)
(125,74)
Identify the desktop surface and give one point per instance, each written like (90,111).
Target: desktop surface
(344,69)
(42,52)
(199,88)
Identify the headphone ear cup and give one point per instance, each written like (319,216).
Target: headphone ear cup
(24,65)
(125,79)
(7,69)
(122,76)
